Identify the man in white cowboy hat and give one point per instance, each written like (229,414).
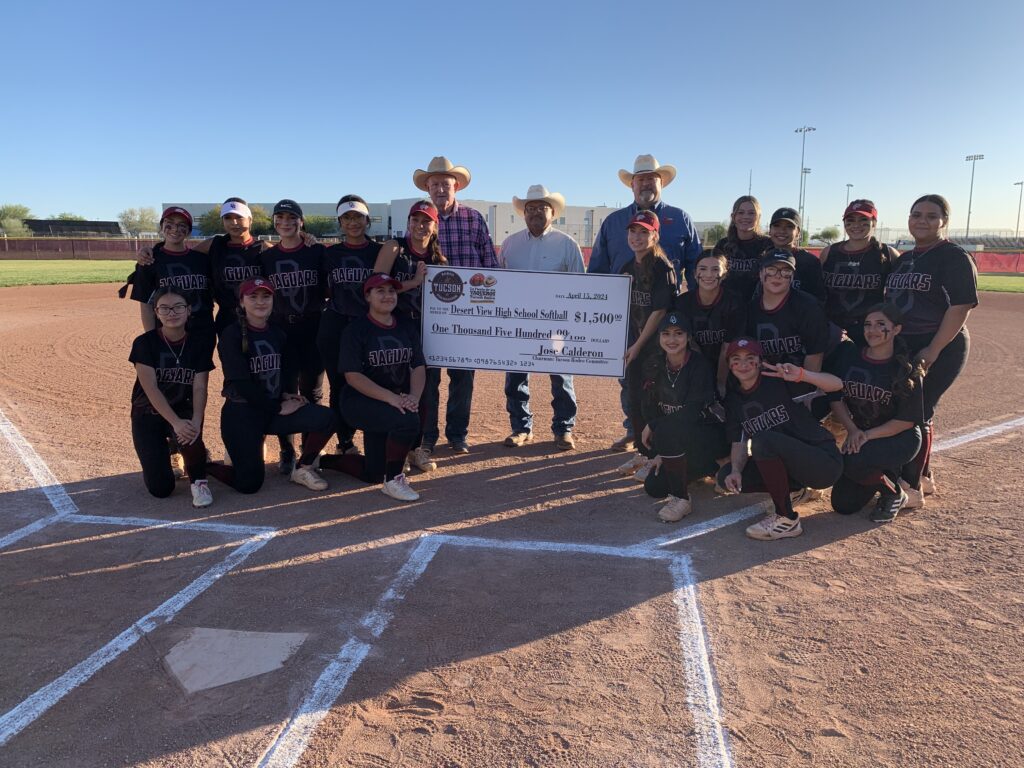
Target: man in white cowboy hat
(677,237)
(465,241)
(540,248)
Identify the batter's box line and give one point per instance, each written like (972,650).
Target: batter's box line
(701,699)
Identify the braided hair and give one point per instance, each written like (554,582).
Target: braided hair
(243,325)
(909,372)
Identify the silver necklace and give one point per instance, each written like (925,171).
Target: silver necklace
(177,355)
(673,379)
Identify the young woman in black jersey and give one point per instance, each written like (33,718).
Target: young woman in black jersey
(935,286)
(716,315)
(382,361)
(881,406)
(406,260)
(777,445)
(651,295)
(784,232)
(255,401)
(855,270)
(743,245)
(681,435)
(169,398)
(296,270)
(347,265)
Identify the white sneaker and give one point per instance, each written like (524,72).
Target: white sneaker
(178,465)
(915,498)
(928,484)
(773,526)
(399,488)
(631,466)
(641,474)
(308,477)
(802,496)
(202,496)
(675,510)
(420,458)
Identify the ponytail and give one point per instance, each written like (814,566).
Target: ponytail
(434,247)
(243,324)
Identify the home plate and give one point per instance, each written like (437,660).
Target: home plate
(211,657)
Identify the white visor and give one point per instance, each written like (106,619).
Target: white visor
(239,209)
(353,205)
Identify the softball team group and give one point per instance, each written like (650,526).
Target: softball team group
(730,380)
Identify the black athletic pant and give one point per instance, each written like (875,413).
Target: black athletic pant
(328,341)
(688,450)
(150,433)
(388,435)
(779,464)
(635,399)
(874,468)
(242,427)
(304,368)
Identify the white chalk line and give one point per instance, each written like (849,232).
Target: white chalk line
(21,716)
(287,748)
(701,694)
(633,552)
(45,479)
(187,525)
(980,434)
(704,527)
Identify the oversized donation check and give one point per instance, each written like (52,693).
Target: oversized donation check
(537,322)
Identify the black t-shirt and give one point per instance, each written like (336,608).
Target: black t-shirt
(791,331)
(176,366)
(808,277)
(646,299)
(386,356)
(682,394)
(232,264)
(744,260)
(924,285)
(297,275)
(769,406)
(261,366)
(404,269)
(348,267)
(867,389)
(188,271)
(715,324)
(855,282)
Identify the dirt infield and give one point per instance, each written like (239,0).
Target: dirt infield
(530,610)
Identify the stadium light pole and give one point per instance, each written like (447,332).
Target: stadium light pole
(1020,197)
(803,146)
(972,159)
(848,188)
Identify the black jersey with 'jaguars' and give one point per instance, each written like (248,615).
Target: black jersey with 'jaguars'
(347,268)
(868,392)
(769,406)
(924,284)
(297,275)
(186,271)
(261,365)
(385,355)
(176,365)
(716,323)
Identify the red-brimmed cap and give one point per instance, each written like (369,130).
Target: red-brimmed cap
(252,285)
(646,219)
(379,278)
(176,210)
(861,208)
(425,207)
(743,344)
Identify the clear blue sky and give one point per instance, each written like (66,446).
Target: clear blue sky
(116,105)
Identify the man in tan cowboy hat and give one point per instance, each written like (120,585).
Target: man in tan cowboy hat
(678,237)
(464,240)
(540,248)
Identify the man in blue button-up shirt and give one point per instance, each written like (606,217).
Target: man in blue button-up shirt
(678,237)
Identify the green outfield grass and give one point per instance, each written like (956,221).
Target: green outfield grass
(62,272)
(1002,283)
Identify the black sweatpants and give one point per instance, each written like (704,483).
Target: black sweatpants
(635,398)
(328,341)
(150,433)
(304,367)
(242,427)
(697,443)
(388,435)
(874,468)
(779,464)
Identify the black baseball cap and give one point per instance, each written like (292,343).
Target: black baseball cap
(288,206)
(675,319)
(786,214)
(778,256)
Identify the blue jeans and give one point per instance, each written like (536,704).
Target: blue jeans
(624,404)
(517,403)
(460,401)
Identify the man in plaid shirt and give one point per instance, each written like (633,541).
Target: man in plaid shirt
(465,241)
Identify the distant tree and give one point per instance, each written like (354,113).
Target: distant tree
(261,222)
(827,235)
(11,218)
(65,216)
(714,233)
(320,226)
(209,223)
(137,220)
